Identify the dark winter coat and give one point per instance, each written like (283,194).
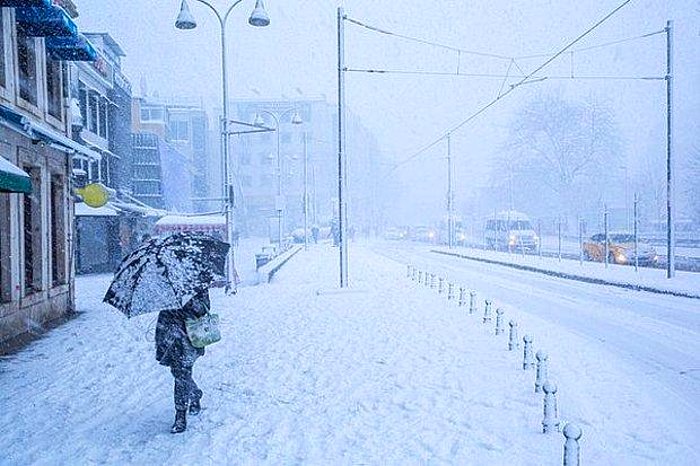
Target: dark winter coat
(173,347)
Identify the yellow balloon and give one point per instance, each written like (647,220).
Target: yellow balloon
(94,195)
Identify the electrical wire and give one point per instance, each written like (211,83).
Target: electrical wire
(494,76)
(596,46)
(425,42)
(524,80)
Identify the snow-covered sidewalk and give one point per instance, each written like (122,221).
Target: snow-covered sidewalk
(388,372)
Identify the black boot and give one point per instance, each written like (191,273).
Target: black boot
(180,424)
(195,407)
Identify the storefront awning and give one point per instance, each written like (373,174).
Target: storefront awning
(13,179)
(40,133)
(25,3)
(71,48)
(42,22)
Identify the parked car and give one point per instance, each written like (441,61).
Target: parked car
(620,249)
(512,231)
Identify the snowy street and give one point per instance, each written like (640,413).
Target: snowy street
(388,372)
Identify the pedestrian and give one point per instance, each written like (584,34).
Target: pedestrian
(175,350)
(314,233)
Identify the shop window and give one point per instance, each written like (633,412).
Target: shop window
(5,256)
(31,225)
(58,231)
(27,65)
(53,87)
(199,130)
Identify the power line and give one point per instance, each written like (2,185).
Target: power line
(494,76)
(514,86)
(425,42)
(596,46)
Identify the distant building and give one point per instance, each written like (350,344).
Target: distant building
(256,170)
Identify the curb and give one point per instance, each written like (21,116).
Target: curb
(569,276)
(267,271)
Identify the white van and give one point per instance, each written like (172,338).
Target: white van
(512,231)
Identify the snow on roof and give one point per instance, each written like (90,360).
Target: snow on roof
(83,210)
(511,215)
(192,220)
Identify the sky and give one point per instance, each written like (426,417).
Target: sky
(295,57)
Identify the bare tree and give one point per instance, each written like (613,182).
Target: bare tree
(561,155)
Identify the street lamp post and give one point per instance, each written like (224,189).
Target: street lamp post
(185,21)
(279,204)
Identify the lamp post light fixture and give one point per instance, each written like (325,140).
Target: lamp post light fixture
(296,120)
(186,21)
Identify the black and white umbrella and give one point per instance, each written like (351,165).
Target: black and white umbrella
(165,273)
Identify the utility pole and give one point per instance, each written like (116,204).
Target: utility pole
(306,192)
(670,229)
(342,208)
(450,195)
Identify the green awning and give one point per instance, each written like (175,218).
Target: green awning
(12,179)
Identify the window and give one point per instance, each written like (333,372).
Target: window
(3,75)
(31,225)
(27,64)
(152,114)
(82,97)
(6,262)
(58,231)
(93,111)
(199,130)
(103,117)
(179,130)
(53,87)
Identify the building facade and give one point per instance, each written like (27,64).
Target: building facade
(36,276)
(171,153)
(314,143)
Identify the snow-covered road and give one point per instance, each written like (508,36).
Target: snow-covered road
(388,372)
(656,337)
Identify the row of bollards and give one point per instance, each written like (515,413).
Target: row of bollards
(538,361)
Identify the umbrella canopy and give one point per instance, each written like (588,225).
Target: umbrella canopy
(165,273)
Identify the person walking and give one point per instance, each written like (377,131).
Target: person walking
(175,350)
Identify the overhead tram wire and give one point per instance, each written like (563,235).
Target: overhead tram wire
(596,46)
(524,80)
(426,42)
(493,76)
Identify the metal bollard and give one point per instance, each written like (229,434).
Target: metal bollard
(461,296)
(513,336)
(414,274)
(528,357)
(420,276)
(499,321)
(572,455)
(472,302)
(441,285)
(408,270)
(542,370)
(432,281)
(487,311)
(550,423)
(426,279)
(450,291)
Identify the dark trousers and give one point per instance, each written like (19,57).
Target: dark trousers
(186,390)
